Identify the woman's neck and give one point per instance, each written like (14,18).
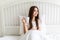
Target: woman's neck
(33,19)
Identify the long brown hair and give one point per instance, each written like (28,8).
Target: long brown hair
(31,16)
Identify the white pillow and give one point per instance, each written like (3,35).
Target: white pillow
(21,30)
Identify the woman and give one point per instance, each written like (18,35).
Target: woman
(32,30)
(33,17)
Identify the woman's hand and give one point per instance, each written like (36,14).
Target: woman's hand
(23,20)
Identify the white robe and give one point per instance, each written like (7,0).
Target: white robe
(34,35)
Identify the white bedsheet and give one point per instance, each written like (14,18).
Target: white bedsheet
(55,37)
(10,38)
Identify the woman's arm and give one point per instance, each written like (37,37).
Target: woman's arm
(25,25)
(39,24)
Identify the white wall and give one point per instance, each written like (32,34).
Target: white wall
(12,1)
(1,27)
(52,1)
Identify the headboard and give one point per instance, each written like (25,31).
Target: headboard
(12,11)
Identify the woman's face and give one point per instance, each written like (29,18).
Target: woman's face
(35,13)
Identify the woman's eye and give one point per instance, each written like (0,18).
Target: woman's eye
(34,10)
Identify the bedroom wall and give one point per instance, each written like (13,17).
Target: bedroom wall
(49,1)
(1,27)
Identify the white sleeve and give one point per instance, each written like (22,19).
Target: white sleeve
(27,21)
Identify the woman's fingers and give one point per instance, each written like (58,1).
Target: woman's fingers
(23,19)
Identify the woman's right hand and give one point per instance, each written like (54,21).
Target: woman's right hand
(23,20)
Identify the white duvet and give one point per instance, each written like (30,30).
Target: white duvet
(34,35)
